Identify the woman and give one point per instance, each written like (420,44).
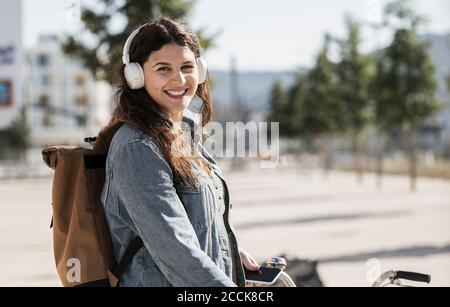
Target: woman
(177,202)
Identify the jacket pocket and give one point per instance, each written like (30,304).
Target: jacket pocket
(200,206)
(193,187)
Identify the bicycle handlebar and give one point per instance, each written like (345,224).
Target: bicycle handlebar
(393,276)
(413,276)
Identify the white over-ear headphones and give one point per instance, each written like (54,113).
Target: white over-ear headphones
(134,74)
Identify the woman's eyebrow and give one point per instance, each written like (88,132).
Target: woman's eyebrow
(165,63)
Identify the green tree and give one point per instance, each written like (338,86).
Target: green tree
(278,102)
(321,113)
(405,83)
(15,139)
(295,97)
(285,106)
(353,72)
(100,46)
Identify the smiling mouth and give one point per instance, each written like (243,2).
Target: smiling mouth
(176,94)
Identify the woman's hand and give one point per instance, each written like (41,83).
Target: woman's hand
(249,263)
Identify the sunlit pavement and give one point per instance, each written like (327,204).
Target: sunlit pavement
(300,214)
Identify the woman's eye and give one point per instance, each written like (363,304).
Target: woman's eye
(168,68)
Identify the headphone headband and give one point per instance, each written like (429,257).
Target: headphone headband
(126,47)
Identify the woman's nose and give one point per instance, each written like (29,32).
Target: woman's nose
(178,78)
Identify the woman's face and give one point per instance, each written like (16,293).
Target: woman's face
(171,78)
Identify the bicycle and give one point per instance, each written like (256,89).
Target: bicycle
(392,277)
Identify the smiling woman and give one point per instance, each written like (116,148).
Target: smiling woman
(161,59)
(171,78)
(169,193)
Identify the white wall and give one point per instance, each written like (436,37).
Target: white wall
(11,61)
(62,91)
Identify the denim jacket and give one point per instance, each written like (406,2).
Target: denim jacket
(187,242)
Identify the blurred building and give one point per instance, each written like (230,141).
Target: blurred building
(64,102)
(11,53)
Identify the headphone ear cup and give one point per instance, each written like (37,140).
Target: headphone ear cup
(202,68)
(134,74)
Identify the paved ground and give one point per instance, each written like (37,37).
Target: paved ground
(334,220)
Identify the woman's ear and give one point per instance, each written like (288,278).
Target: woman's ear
(202,68)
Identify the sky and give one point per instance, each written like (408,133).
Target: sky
(263,35)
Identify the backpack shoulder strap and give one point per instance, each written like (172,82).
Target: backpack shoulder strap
(130,252)
(103,140)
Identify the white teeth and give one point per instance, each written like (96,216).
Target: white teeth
(177,93)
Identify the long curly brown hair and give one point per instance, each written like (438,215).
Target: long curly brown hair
(138,108)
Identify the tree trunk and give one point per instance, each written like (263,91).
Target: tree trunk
(412,154)
(380,159)
(357,157)
(328,154)
(324,154)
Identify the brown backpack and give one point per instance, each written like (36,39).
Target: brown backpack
(81,240)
